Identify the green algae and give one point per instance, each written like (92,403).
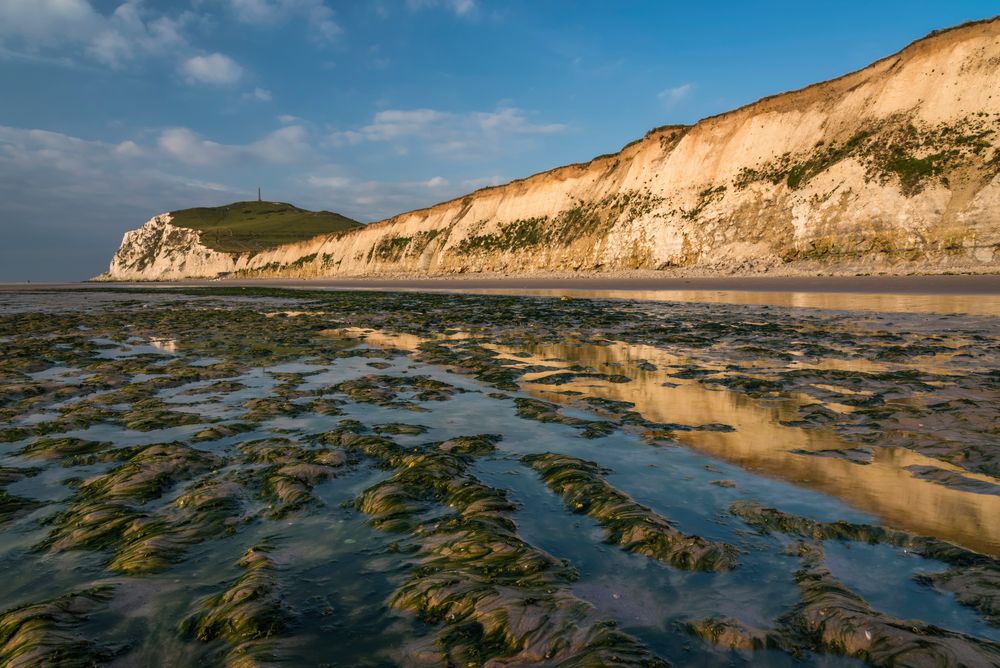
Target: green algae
(634,527)
(150,472)
(398,428)
(247,616)
(831,618)
(492,596)
(154,527)
(66,446)
(218,431)
(48,633)
(973,580)
(384,390)
(545,412)
(770,519)
(12,507)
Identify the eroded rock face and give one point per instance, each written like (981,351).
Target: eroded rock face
(891,168)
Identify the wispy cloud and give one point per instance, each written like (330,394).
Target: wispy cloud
(258,94)
(458,7)
(673,96)
(449,133)
(315,13)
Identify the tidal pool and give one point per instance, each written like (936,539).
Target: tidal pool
(251,477)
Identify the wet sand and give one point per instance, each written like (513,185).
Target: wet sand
(980,284)
(970,295)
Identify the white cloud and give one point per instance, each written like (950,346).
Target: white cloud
(130,32)
(375,200)
(449,133)
(127,35)
(73,198)
(285,145)
(671,96)
(316,13)
(184,145)
(214,69)
(458,7)
(259,94)
(285,119)
(48,21)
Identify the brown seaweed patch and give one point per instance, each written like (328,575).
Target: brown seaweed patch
(634,527)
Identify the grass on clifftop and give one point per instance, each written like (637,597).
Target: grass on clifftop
(254,226)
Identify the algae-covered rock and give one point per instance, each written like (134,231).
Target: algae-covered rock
(210,508)
(728,633)
(634,527)
(150,472)
(11,474)
(976,587)
(385,390)
(247,616)
(292,472)
(831,618)
(771,519)
(495,599)
(12,507)
(480,444)
(397,429)
(215,432)
(543,411)
(48,634)
(66,446)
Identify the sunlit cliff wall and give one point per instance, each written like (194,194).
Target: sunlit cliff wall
(893,168)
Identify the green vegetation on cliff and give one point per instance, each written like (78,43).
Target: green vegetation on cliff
(254,226)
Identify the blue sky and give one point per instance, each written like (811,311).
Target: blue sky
(114,111)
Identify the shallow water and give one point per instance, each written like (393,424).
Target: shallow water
(882,420)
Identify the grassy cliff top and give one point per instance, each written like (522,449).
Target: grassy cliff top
(254,226)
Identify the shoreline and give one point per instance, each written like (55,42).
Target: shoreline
(942,284)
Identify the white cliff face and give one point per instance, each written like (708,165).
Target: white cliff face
(893,168)
(164,251)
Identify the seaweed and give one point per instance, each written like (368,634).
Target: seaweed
(626,523)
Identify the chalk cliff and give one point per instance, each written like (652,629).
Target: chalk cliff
(893,168)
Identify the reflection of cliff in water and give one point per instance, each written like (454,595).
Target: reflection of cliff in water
(761,444)
(842,301)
